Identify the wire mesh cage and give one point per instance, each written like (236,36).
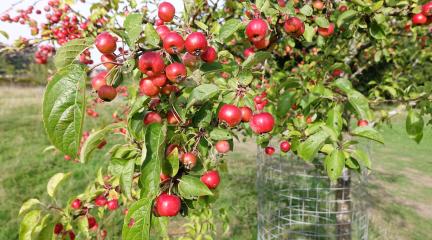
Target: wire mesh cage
(296,200)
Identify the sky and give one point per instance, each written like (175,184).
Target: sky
(15,30)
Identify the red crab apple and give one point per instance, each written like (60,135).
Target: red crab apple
(106,43)
(211,179)
(163,177)
(152,117)
(189,159)
(256,30)
(246,114)
(326,32)
(176,72)
(92,223)
(166,11)
(162,31)
(262,122)
(285,146)
(230,114)
(292,25)
(419,19)
(108,60)
(263,43)
(107,93)
(100,201)
(172,118)
(427,9)
(151,64)
(76,203)
(167,205)
(190,60)
(112,204)
(362,123)
(58,228)
(222,146)
(159,80)
(99,80)
(210,55)
(196,43)
(269,150)
(318,5)
(173,43)
(248,52)
(148,88)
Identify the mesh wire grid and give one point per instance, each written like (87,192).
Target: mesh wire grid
(296,200)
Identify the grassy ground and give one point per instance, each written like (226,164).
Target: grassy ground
(400,186)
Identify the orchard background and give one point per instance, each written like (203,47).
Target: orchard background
(133,135)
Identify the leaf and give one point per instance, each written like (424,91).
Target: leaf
(29,222)
(133,27)
(220,134)
(362,157)
(368,132)
(135,117)
(201,25)
(360,104)
(95,138)
(4,34)
(345,17)
(334,164)
(170,164)
(309,148)
(136,225)
(160,225)
(124,168)
(192,187)
(151,36)
(29,204)
(322,22)
(151,169)
(229,28)
(67,53)
(262,5)
(83,227)
(414,125)
(63,108)
(255,59)
(309,33)
(55,181)
(211,67)
(284,103)
(306,10)
(245,77)
(334,119)
(201,94)
(377,31)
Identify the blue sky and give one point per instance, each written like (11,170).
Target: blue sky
(16,30)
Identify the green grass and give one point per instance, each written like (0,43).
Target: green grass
(400,185)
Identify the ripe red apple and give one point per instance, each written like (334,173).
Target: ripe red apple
(362,123)
(222,146)
(269,150)
(100,201)
(163,177)
(91,222)
(285,146)
(167,205)
(107,93)
(256,30)
(166,11)
(264,43)
(172,118)
(152,117)
(190,60)
(76,203)
(173,43)
(159,80)
(230,114)
(189,160)
(176,72)
(281,3)
(58,228)
(112,204)
(107,60)
(326,32)
(210,55)
(99,80)
(71,235)
(196,43)
(162,31)
(147,87)
(262,122)
(151,64)
(419,19)
(318,5)
(337,73)
(248,52)
(106,43)
(292,25)
(246,114)
(211,179)
(343,8)
(427,9)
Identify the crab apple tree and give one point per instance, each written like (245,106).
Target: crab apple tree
(309,76)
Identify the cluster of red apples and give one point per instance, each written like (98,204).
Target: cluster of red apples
(425,16)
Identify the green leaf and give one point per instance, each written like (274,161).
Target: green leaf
(309,148)
(160,225)
(345,17)
(29,222)
(124,168)
(4,34)
(362,157)
(151,36)
(334,164)
(29,204)
(137,222)
(151,169)
(245,77)
(95,138)
(254,59)
(201,25)
(360,104)
(322,22)
(229,28)
(67,53)
(220,134)
(55,181)
(284,104)
(201,94)
(334,119)
(83,227)
(262,5)
(135,117)
(133,27)
(369,133)
(170,165)
(306,10)
(192,187)
(63,108)
(211,67)
(414,125)
(377,31)
(309,33)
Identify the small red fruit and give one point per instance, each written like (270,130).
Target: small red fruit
(293,25)
(196,43)
(318,5)
(326,32)
(71,235)
(91,222)
(112,204)
(230,114)
(343,8)
(285,146)
(76,204)
(269,150)
(211,179)
(246,114)
(162,31)
(172,118)
(108,60)
(100,201)
(262,122)
(173,43)
(419,19)
(151,64)
(256,30)
(147,87)
(222,146)
(163,177)
(99,80)
(248,52)
(58,228)
(159,80)
(190,60)
(167,205)
(264,43)
(210,55)
(176,72)
(152,117)
(362,123)
(166,11)
(107,93)
(189,160)
(106,43)
(337,73)
(427,9)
